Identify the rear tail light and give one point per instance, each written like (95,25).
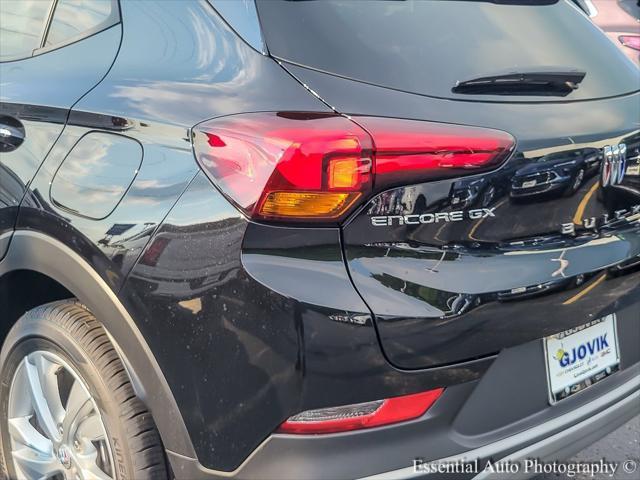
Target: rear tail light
(409,151)
(631,41)
(361,415)
(315,167)
(287,166)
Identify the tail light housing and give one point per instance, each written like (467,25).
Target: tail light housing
(317,167)
(362,415)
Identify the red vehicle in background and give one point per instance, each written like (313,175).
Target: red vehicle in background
(620,20)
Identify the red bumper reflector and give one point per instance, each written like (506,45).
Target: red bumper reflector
(361,415)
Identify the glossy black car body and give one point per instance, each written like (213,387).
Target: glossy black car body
(229,326)
(560,174)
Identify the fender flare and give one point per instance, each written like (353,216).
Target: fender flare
(40,253)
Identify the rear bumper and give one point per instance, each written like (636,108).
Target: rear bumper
(571,441)
(275,306)
(364,454)
(594,421)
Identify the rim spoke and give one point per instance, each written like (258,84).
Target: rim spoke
(89,467)
(94,473)
(34,465)
(21,431)
(79,405)
(47,371)
(91,428)
(39,402)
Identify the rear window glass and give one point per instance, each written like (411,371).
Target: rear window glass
(74,19)
(241,15)
(22,24)
(427,46)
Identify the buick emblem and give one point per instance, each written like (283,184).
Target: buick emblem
(614,165)
(64,458)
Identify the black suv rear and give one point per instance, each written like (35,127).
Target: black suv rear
(300,239)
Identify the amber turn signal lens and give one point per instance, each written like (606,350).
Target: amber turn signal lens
(307,204)
(345,173)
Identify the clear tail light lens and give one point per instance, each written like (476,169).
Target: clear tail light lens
(361,415)
(314,167)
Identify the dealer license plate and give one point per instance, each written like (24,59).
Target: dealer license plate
(580,357)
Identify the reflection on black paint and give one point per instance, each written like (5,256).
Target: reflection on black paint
(440,289)
(96,174)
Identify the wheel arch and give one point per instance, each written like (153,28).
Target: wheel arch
(44,256)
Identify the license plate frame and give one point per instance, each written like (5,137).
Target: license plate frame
(601,358)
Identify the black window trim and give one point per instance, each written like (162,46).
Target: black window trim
(114,19)
(264,50)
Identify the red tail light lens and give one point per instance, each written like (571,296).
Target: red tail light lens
(409,151)
(361,415)
(318,167)
(287,166)
(631,41)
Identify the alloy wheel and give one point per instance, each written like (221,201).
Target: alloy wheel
(55,427)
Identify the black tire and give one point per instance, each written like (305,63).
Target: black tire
(68,330)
